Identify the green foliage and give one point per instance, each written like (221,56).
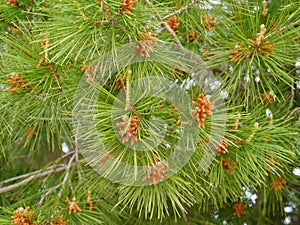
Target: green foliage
(48,48)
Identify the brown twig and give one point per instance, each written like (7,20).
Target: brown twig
(292,97)
(77,152)
(127,91)
(184,217)
(168,28)
(52,70)
(47,193)
(173,34)
(102,22)
(188,6)
(49,119)
(27,175)
(282,28)
(293,112)
(27,180)
(67,173)
(55,187)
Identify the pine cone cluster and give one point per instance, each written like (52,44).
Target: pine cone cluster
(239,53)
(193,35)
(173,22)
(121,81)
(16,82)
(261,45)
(228,164)
(203,109)
(147,43)
(90,71)
(208,21)
(73,205)
(45,41)
(239,209)
(23,216)
(12,2)
(265,11)
(156,172)
(278,185)
(59,221)
(223,148)
(126,5)
(267,97)
(128,128)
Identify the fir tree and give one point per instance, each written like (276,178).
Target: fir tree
(149,112)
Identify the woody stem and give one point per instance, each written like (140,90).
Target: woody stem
(127,91)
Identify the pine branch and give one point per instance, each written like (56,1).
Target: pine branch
(168,29)
(27,175)
(68,168)
(49,118)
(173,34)
(47,193)
(53,71)
(188,6)
(293,112)
(184,217)
(292,97)
(27,180)
(282,29)
(127,92)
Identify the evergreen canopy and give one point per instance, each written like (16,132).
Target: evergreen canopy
(149,112)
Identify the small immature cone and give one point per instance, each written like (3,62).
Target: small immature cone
(278,185)
(23,216)
(239,209)
(193,35)
(156,172)
(129,132)
(127,5)
(148,42)
(203,109)
(223,148)
(228,164)
(73,205)
(16,82)
(12,2)
(59,221)
(173,22)
(267,97)
(208,22)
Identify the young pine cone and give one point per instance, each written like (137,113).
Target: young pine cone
(203,109)
(128,128)
(156,172)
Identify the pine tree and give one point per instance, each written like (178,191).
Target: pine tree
(149,112)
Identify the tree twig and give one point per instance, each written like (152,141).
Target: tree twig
(293,112)
(27,180)
(27,175)
(188,6)
(172,33)
(292,97)
(67,173)
(49,118)
(46,194)
(77,152)
(127,91)
(168,28)
(184,217)
(282,28)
